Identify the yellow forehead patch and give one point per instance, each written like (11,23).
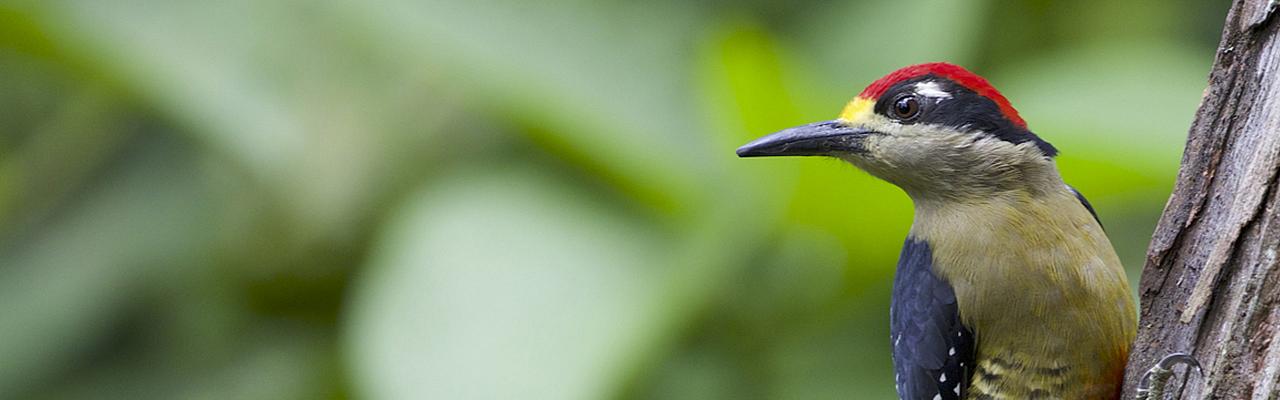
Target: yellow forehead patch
(858,109)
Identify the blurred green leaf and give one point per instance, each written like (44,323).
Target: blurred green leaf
(60,156)
(507,285)
(604,85)
(304,113)
(274,363)
(62,287)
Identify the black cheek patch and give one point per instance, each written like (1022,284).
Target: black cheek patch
(964,110)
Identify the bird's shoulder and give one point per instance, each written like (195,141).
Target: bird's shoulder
(1085,202)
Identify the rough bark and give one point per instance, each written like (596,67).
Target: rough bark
(1211,283)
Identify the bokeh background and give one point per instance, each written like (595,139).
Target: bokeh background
(501,199)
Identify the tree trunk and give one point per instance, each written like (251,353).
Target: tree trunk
(1211,283)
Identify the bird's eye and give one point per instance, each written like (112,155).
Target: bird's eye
(906,108)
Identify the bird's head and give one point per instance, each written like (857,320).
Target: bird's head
(935,130)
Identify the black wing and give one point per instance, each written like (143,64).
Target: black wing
(932,350)
(1087,206)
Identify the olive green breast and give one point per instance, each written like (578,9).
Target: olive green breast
(1037,281)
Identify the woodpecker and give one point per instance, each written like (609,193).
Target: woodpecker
(1007,286)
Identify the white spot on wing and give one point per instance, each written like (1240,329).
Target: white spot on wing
(937,396)
(943,378)
(951,352)
(956,389)
(931,89)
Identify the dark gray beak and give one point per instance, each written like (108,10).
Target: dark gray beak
(817,139)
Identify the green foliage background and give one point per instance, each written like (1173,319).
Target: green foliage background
(500,199)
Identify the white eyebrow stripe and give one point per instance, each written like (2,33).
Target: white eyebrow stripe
(931,89)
